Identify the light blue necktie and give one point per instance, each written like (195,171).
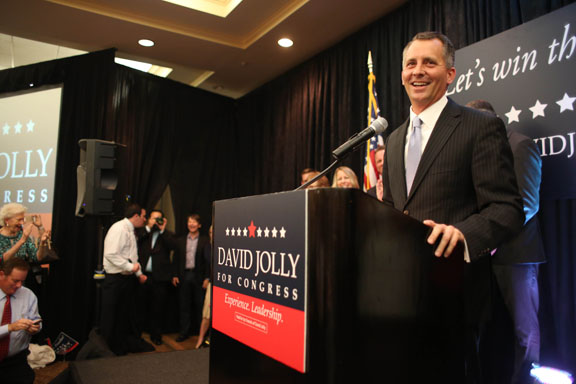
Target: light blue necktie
(414,153)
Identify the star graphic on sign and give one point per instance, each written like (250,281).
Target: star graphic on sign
(245,232)
(18,128)
(282,233)
(227,232)
(238,232)
(274,232)
(266,232)
(567,103)
(252,229)
(538,109)
(259,232)
(30,126)
(513,115)
(6,129)
(233,232)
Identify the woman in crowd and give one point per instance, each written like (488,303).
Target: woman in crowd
(344,177)
(15,240)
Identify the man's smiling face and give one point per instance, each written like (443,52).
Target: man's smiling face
(424,73)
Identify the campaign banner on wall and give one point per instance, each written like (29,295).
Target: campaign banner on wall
(259,274)
(29,122)
(527,74)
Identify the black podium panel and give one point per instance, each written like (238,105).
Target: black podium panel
(380,307)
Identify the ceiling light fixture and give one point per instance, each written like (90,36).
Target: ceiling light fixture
(285,42)
(146,43)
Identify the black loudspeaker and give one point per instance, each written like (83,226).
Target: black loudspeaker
(96,177)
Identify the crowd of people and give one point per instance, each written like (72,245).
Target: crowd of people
(19,315)
(144,259)
(144,263)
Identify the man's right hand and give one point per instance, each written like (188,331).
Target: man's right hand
(20,325)
(135,267)
(175,281)
(379,189)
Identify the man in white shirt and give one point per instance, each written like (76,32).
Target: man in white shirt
(123,271)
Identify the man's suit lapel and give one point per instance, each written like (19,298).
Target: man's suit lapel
(447,122)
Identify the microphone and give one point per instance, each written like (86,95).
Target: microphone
(377,127)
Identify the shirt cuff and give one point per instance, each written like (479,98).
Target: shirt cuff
(466,252)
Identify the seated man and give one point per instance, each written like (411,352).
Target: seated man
(19,321)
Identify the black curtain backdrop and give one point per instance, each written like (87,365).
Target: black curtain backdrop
(208,147)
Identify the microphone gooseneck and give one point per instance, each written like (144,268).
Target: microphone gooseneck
(377,127)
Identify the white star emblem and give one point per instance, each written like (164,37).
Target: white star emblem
(5,129)
(266,232)
(227,232)
(566,103)
(259,232)
(513,115)
(30,126)
(245,232)
(538,109)
(238,232)
(274,232)
(282,233)
(233,232)
(18,128)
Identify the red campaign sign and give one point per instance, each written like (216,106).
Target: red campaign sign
(274,330)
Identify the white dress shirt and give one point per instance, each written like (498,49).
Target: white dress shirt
(429,118)
(120,248)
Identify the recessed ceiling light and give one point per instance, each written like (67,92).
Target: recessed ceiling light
(285,42)
(146,43)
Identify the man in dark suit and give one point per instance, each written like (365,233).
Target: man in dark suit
(191,271)
(452,168)
(377,191)
(154,246)
(515,263)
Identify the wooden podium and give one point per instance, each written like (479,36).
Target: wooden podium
(377,305)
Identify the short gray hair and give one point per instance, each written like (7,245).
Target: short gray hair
(449,51)
(10,210)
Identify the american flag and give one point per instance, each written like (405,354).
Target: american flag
(370,174)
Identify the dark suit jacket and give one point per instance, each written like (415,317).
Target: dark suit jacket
(202,268)
(372,192)
(162,267)
(465,178)
(526,247)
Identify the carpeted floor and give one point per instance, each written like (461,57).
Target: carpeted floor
(170,367)
(172,362)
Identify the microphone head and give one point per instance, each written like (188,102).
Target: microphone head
(379,125)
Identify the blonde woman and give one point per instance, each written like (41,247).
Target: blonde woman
(15,240)
(344,177)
